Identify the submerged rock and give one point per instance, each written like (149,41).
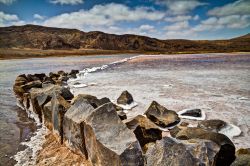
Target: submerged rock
(125,98)
(169,152)
(214,125)
(161,115)
(144,130)
(109,141)
(195,114)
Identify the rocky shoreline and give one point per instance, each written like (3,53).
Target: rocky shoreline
(99,132)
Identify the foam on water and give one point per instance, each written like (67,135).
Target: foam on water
(28,156)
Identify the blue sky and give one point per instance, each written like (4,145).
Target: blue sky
(163,19)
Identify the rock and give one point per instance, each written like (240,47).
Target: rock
(104,100)
(93,100)
(225,156)
(62,73)
(20,80)
(214,125)
(184,124)
(40,76)
(59,107)
(168,152)
(122,115)
(108,140)
(125,98)
(144,130)
(32,84)
(53,75)
(243,158)
(32,77)
(48,80)
(47,115)
(73,73)
(194,114)
(161,115)
(74,121)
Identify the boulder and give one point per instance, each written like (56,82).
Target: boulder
(214,125)
(169,152)
(144,130)
(125,98)
(73,126)
(73,73)
(47,115)
(62,73)
(108,140)
(32,84)
(242,158)
(195,114)
(48,80)
(225,156)
(161,115)
(94,101)
(59,106)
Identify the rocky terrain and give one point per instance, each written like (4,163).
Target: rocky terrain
(96,131)
(45,38)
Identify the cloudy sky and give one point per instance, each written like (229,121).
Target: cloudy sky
(163,19)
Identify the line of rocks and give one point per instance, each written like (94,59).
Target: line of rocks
(100,131)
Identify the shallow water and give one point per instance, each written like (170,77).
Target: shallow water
(15,127)
(216,83)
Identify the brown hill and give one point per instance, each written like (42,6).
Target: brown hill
(39,37)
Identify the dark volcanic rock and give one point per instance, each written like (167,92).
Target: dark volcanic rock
(225,156)
(145,130)
(161,115)
(193,113)
(125,98)
(212,125)
(109,141)
(168,152)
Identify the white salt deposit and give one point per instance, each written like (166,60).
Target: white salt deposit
(79,86)
(203,115)
(230,131)
(128,106)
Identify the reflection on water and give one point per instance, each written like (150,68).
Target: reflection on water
(15,127)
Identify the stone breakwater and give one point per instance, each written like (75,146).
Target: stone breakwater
(100,132)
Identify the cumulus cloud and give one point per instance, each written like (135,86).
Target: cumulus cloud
(178,26)
(7,2)
(8,19)
(181,6)
(231,22)
(106,14)
(38,16)
(67,2)
(240,7)
(146,27)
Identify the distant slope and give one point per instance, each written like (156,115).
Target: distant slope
(39,37)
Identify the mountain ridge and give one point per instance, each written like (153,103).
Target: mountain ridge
(45,38)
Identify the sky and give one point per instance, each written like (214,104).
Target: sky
(162,19)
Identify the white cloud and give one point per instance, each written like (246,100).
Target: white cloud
(181,18)
(178,26)
(181,6)
(67,2)
(7,2)
(146,27)
(103,15)
(38,16)
(9,19)
(240,7)
(231,22)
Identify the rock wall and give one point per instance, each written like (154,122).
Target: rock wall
(98,129)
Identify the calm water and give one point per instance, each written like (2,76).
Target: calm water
(15,127)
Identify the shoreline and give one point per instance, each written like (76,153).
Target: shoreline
(8,54)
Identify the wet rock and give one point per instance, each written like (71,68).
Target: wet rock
(214,125)
(48,80)
(145,130)
(225,156)
(53,75)
(31,77)
(73,73)
(125,98)
(108,140)
(195,114)
(40,76)
(161,115)
(168,152)
(62,73)
(122,115)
